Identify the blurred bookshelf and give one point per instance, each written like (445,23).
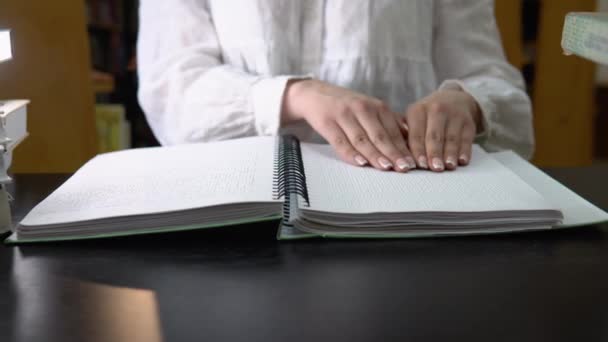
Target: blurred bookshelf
(530,19)
(570,116)
(112,30)
(562,88)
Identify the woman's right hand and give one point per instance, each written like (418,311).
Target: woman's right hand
(362,129)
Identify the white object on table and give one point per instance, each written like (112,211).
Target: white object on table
(5,45)
(13,130)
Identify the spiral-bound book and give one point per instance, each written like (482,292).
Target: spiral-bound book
(302,187)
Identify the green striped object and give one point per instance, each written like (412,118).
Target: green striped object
(586,35)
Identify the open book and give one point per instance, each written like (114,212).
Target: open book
(305,186)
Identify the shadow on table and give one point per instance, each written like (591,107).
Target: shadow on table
(121,261)
(198,283)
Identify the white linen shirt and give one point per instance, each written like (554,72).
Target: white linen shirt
(217,69)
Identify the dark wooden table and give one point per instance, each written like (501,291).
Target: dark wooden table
(240,284)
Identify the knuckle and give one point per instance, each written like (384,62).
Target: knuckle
(395,136)
(415,110)
(417,139)
(436,108)
(359,140)
(381,105)
(451,138)
(339,142)
(435,137)
(341,106)
(441,114)
(344,114)
(327,123)
(360,105)
(379,138)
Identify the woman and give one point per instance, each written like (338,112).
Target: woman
(395,84)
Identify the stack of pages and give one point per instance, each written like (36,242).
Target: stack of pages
(306,186)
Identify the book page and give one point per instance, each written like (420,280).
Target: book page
(484,185)
(577,211)
(163,179)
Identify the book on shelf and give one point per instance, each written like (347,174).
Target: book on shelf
(113,129)
(585,34)
(13,127)
(304,188)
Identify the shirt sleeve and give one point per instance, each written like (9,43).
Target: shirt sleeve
(186,91)
(468,55)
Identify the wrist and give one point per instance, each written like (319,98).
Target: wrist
(291,108)
(476,112)
(473,108)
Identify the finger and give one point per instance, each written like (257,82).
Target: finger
(405,130)
(359,140)
(336,137)
(416,123)
(391,124)
(453,134)
(466,143)
(380,137)
(435,136)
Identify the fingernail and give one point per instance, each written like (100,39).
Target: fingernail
(410,162)
(384,163)
(463,159)
(422,162)
(437,164)
(402,164)
(450,162)
(360,160)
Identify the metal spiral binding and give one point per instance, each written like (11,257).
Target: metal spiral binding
(289,175)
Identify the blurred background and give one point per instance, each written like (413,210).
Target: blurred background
(75,60)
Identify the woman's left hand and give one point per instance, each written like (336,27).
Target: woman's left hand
(441,129)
